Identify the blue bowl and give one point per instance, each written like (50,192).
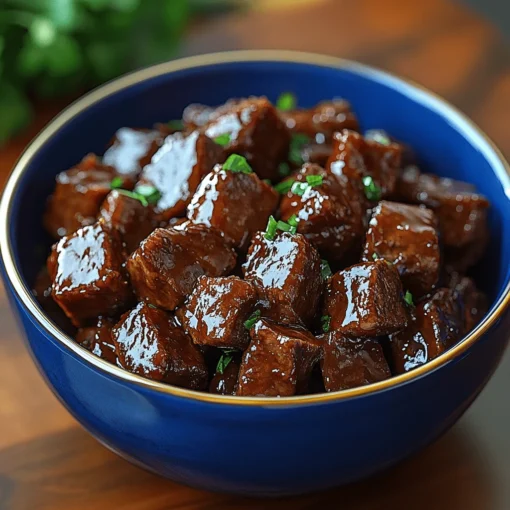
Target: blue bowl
(258,446)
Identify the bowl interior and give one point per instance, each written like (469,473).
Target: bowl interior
(445,143)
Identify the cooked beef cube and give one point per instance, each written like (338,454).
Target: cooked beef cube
(177,168)
(325,213)
(98,339)
(406,236)
(321,121)
(235,203)
(77,198)
(129,216)
(474,302)
(255,131)
(215,312)
(132,149)
(462,212)
(356,158)
(278,361)
(88,274)
(197,115)
(352,362)
(225,383)
(366,300)
(461,258)
(434,326)
(149,342)
(316,153)
(287,272)
(167,264)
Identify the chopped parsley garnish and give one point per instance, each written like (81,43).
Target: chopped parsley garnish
(254,317)
(271,228)
(284,169)
(144,193)
(325,321)
(299,188)
(325,269)
(225,359)
(284,186)
(375,256)
(314,180)
(372,191)
(379,136)
(223,139)
(236,163)
(285,226)
(286,101)
(408,298)
(297,142)
(117,182)
(176,124)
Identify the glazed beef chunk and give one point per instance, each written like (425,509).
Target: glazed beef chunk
(225,380)
(255,131)
(77,198)
(330,214)
(98,339)
(132,149)
(88,274)
(366,300)
(435,325)
(168,263)
(215,312)
(286,270)
(278,361)
(177,168)
(316,153)
(320,122)
(352,362)
(149,342)
(360,158)
(129,217)
(235,203)
(406,236)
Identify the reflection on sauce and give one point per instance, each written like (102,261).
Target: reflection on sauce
(201,207)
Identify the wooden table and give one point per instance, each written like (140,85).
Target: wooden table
(48,462)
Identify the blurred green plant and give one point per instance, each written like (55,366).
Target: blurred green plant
(60,47)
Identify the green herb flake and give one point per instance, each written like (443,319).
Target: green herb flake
(225,359)
(176,124)
(297,142)
(284,187)
(299,188)
(283,169)
(284,227)
(379,136)
(375,256)
(408,298)
(325,322)
(372,191)
(286,101)
(325,269)
(117,182)
(314,180)
(150,193)
(254,317)
(238,164)
(271,228)
(293,222)
(150,305)
(135,196)
(267,181)
(223,139)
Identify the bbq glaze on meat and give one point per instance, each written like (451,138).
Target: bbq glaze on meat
(259,251)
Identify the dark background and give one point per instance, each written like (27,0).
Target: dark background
(498,11)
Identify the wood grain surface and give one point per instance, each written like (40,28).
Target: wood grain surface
(48,462)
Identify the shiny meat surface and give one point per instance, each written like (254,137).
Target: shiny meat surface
(234,203)
(286,271)
(406,236)
(98,340)
(168,263)
(278,361)
(177,168)
(352,362)
(366,300)
(215,312)
(149,342)
(88,274)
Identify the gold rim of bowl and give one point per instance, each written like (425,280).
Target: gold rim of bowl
(410,89)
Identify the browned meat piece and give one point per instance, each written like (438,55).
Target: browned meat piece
(255,131)
(406,236)
(225,382)
(197,115)
(216,310)
(321,121)
(88,274)
(168,263)
(434,326)
(129,216)
(358,158)
(316,153)
(366,300)
(177,169)
(352,362)
(461,211)
(150,343)
(278,361)
(461,258)
(236,204)
(77,198)
(287,272)
(98,340)
(329,215)
(132,149)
